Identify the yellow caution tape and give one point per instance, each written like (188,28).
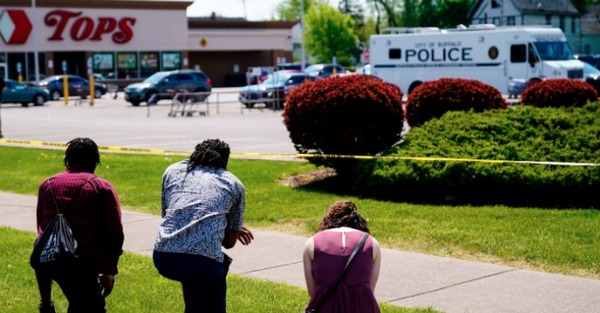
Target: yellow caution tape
(300,155)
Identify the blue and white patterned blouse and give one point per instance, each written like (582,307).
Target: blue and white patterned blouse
(197,207)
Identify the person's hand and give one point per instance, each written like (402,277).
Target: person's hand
(246,236)
(107,282)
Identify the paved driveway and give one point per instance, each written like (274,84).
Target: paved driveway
(114,122)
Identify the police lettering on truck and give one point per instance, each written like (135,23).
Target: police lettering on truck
(422,53)
(494,55)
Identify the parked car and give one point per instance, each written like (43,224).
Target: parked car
(365,69)
(16,92)
(272,91)
(295,80)
(78,86)
(165,84)
(323,70)
(291,66)
(591,75)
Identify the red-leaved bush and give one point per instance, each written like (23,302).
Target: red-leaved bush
(348,115)
(434,98)
(559,92)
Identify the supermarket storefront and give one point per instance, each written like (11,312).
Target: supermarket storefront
(129,40)
(113,38)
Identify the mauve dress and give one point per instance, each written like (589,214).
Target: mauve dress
(353,294)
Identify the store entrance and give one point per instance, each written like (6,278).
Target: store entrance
(76,63)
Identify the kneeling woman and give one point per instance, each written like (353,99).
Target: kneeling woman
(325,256)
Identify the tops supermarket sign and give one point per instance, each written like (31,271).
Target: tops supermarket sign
(15,27)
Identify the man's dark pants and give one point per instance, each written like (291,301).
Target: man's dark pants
(79,282)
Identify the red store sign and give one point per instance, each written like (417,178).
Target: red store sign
(80,27)
(15,27)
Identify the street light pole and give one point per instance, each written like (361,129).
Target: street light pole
(36,60)
(302,52)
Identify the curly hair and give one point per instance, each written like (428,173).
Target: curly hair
(343,213)
(82,152)
(211,152)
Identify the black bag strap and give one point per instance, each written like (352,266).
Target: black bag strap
(53,197)
(78,192)
(339,279)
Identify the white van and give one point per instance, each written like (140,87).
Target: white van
(494,55)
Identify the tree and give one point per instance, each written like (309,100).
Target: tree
(423,13)
(391,15)
(427,13)
(328,34)
(356,12)
(582,5)
(289,10)
(450,13)
(410,16)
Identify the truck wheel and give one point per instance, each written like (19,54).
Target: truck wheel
(532,82)
(413,86)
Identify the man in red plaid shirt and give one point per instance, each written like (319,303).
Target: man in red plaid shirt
(91,206)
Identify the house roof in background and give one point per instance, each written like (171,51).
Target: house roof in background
(590,22)
(534,7)
(546,6)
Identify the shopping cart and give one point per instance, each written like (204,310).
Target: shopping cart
(187,103)
(113,89)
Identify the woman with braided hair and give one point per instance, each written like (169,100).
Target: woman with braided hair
(326,254)
(203,210)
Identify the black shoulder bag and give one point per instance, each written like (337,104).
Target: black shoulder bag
(57,245)
(339,279)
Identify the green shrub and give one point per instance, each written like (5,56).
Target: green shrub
(559,93)
(348,115)
(434,98)
(524,134)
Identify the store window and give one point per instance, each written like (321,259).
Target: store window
(3,72)
(104,64)
(148,63)
(127,65)
(19,65)
(171,61)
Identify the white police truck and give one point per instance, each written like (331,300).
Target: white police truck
(497,56)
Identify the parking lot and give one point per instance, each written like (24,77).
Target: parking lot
(114,122)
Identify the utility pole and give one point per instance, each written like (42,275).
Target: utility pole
(501,12)
(36,60)
(302,52)
(245,14)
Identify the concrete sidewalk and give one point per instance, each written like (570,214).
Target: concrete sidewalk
(407,279)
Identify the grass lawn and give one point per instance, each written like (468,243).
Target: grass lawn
(561,241)
(139,287)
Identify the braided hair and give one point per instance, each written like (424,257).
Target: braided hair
(82,152)
(211,152)
(343,213)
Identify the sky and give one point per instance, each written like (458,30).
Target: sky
(255,10)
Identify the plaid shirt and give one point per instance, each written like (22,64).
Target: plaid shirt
(92,209)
